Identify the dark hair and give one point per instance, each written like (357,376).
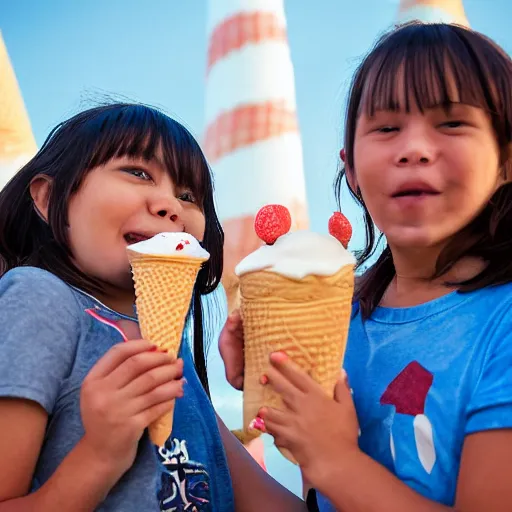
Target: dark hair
(482,74)
(88,140)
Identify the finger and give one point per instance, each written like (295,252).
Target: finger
(116,356)
(164,394)
(130,328)
(342,389)
(275,416)
(293,373)
(231,348)
(151,414)
(283,387)
(280,433)
(138,365)
(234,323)
(153,378)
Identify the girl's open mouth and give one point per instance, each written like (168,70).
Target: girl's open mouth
(415,193)
(133,238)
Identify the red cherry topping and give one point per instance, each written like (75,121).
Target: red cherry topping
(271,222)
(340,228)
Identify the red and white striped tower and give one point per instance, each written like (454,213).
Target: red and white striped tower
(17,143)
(252,136)
(446,11)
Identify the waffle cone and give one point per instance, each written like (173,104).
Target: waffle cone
(306,318)
(163,290)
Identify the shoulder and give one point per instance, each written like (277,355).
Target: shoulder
(502,291)
(492,303)
(34,281)
(25,289)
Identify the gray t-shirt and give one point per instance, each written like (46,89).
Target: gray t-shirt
(48,343)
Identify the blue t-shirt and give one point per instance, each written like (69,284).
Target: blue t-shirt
(425,377)
(48,344)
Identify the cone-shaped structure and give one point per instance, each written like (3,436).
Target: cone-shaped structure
(446,11)
(252,138)
(17,144)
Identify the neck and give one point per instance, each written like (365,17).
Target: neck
(413,283)
(117,299)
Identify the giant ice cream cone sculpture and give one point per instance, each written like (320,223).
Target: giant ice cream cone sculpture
(252,137)
(296,297)
(445,11)
(165,269)
(17,144)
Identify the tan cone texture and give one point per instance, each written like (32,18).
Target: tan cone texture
(16,136)
(163,289)
(308,319)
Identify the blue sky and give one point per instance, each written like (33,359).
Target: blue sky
(69,54)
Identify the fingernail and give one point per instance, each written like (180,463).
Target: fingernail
(280,356)
(263,380)
(257,424)
(153,349)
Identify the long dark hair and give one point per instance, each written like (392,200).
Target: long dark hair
(430,59)
(88,140)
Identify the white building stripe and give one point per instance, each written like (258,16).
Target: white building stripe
(270,62)
(436,11)
(266,172)
(430,15)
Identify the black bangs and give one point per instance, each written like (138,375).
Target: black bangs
(397,79)
(139,131)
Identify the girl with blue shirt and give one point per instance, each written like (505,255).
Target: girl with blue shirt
(75,398)
(424,421)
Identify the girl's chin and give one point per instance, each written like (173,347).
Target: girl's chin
(414,239)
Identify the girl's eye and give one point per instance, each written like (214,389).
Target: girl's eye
(387,129)
(454,124)
(187,196)
(138,173)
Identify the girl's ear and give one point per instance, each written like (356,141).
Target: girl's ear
(40,188)
(352,180)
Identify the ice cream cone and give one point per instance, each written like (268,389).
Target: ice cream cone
(307,318)
(163,289)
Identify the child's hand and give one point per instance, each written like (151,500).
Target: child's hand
(127,389)
(231,347)
(319,431)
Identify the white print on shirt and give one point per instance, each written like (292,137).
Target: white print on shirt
(185,484)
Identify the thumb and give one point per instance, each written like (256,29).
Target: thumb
(231,348)
(342,388)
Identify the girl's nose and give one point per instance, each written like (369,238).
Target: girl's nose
(412,160)
(173,216)
(416,147)
(167,207)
